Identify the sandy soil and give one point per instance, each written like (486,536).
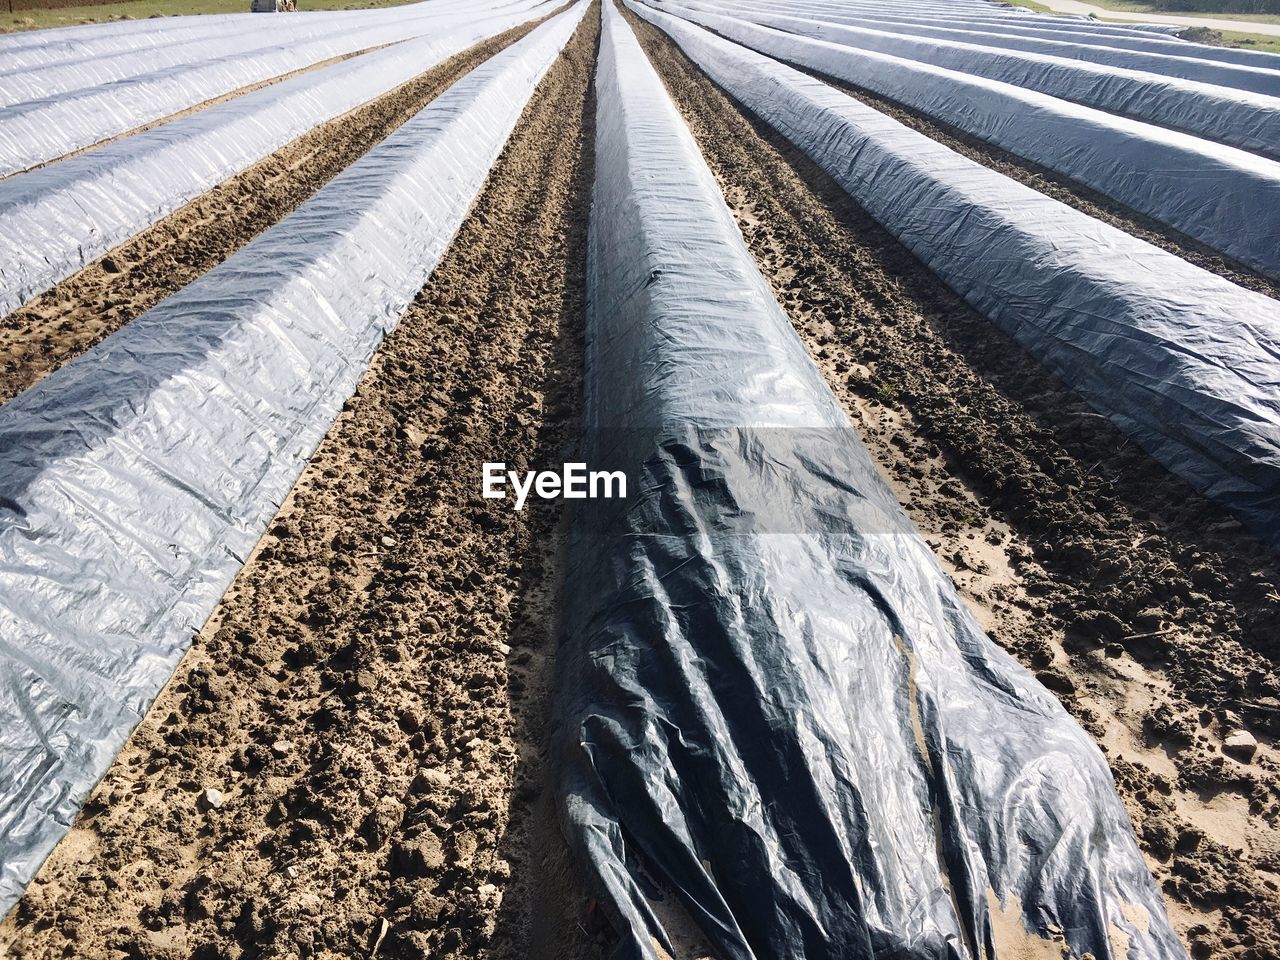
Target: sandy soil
(370,698)
(87,307)
(1150,612)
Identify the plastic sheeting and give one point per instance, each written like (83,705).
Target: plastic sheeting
(1025,26)
(37,131)
(138,476)
(19,84)
(66,44)
(1222,196)
(56,220)
(1255,78)
(995,14)
(1242,119)
(1183,361)
(1086,35)
(770,699)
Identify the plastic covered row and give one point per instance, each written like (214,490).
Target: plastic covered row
(21,84)
(1188,66)
(1020,21)
(992,16)
(774,715)
(991,13)
(38,131)
(65,44)
(56,220)
(139,476)
(1180,359)
(940,8)
(1227,198)
(1242,119)
(1087,35)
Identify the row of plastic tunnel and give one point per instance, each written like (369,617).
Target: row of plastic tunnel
(771,700)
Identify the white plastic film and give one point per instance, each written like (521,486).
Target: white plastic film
(59,218)
(1227,198)
(1240,118)
(1086,34)
(1183,361)
(139,476)
(38,131)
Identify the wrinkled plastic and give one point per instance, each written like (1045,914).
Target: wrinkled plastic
(19,84)
(1256,70)
(798,732)
(39,48)
(38,131)
(1227,198)
(1185,362)
(139,476)
(1033,26)
(1242,119)
(59,218)
(987,13)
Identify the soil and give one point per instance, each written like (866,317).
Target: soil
(87,307)
(1150,612)
(369,701)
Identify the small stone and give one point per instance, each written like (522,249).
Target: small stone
(388,541)
(291,872)
(504,649)
(1241,744)
(282,748)
(212,799)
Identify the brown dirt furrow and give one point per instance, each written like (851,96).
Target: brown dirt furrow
(370,698)
(1151,613)
(87,307)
